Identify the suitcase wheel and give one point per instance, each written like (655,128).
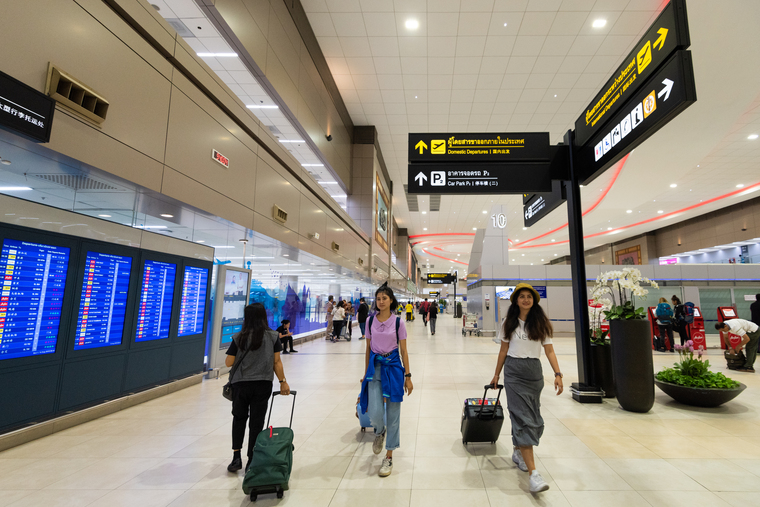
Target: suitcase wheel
(364,430)
(464,442)
(253,497)
(280,492)
(348,339)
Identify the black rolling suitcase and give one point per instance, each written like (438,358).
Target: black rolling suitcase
(482,418)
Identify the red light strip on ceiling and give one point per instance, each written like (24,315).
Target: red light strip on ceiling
(445,258)
(654,219)
(618,168)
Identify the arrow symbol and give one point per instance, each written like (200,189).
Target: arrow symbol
(666,91)
(420,177)
(661,39)
(420,146)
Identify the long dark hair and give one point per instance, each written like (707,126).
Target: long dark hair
(254,326)
(675,298)
(537,324)
(384,289)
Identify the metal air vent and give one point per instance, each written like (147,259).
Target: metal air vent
(335,247)
(361,261)
(411,200)
(435,202)
(76,96)
(180,27)
(274,130)
(76,181)
(279,214)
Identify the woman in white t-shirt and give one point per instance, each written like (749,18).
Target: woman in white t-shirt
(339,313)
(524,331)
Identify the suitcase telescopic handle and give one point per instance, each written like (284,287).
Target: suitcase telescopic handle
(483,404)
(291,411)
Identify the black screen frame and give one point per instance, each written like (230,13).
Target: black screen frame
(195,263)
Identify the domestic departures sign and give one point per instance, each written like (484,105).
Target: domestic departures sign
(669,32)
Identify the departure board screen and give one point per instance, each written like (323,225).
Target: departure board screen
(34,281)
(233,305)
(103,303)
(155,311)
(193,305)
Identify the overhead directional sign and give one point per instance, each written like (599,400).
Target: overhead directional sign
(541,204)
(440,278)
(483,147)
(662,98)
(485,178)
(669,32)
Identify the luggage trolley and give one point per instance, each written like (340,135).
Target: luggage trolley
(470,324)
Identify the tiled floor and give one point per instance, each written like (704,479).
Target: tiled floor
(174,450)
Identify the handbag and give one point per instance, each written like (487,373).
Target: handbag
(227,389)
(735,361)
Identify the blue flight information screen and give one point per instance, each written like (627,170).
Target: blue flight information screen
(34,281)
(103,303)
(193,305)
(156,296)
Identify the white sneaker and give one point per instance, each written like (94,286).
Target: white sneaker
(377,445)
(387,467)
(519,461)
(537,483)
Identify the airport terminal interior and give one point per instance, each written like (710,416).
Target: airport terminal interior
(177,175)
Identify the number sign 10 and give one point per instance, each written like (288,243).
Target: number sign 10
(499,220)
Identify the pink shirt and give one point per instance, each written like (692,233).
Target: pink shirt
(382,335)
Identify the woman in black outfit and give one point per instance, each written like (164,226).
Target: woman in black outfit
(680,318)
(257,349)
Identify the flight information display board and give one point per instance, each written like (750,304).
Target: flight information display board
(103,302)
(233,305)
(34,281)
(155,311)
(193,305)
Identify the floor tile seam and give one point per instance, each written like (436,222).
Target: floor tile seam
(697,480)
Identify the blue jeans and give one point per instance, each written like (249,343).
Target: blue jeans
(362,326)
(391,410)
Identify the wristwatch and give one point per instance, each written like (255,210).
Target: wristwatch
(283,380)
(558,375)
(408,375)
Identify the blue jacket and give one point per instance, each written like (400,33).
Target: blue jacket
(392,378)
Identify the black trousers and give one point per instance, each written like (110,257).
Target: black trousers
(683,332)
(337,328)
(288,340)
(249,398)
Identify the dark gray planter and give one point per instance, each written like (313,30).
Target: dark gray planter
(601,369)
(632,365)
(697,397)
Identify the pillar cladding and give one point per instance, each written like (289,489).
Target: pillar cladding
(496,242)
(360,200)
(334,290)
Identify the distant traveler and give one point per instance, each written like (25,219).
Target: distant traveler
(754,309)
(680,320)
(387,376)
(664,315)
(424,308)
(409,311)
(329,310)
(257,348)
(362,316)
(524,331)
(286,336)
(433,316)
(339,314)
(349,317)
(750,333)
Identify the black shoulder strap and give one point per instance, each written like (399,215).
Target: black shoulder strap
(398,324)
(371,318)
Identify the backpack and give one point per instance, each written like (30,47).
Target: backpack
(688,312)
(664,313)
(398,324)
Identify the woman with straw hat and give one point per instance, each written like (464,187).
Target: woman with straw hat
(524,331)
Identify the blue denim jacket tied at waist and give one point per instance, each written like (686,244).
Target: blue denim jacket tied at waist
(392,378)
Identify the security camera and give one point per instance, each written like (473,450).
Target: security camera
(328,137)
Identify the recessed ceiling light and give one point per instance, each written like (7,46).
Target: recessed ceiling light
(167,215)
(555,255)
(415,96)
(739,185)
(458,255)
(609,228)
(513,260)
(11,189)
(201,241)
(505,24)
(659,211)
(424,212)
(555,95)
(673,185)
(525,228)
(312,165)
(105,216)
(262,107)
(217,55)
(599,23)
(474,228)
(290,141)
(412,24)
(5,162)
(752,136)
(484,211)
(523,255)
(554,240)
(629,211)
(424,228)
(542,260)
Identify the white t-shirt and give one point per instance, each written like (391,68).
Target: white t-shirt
(741,327)
(520,345)
(339,313)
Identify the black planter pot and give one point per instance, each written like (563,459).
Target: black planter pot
(697,397)
(632,365)
(601,369)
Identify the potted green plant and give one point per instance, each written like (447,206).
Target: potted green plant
(601,357)
(691,382)
(630,337)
